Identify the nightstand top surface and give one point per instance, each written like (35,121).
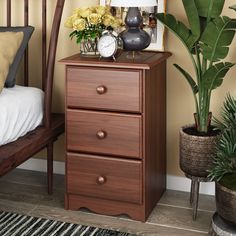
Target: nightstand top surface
(146,60)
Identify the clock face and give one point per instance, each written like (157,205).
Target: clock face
(107,45)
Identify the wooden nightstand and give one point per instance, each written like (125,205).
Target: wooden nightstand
(116,134)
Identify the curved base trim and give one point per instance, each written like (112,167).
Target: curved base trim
(106,207)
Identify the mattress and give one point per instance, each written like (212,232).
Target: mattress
(21,110)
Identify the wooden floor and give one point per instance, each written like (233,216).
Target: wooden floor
(25,192)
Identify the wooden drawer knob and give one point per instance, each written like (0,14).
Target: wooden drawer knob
(101,89)
(101,180)
(101,134)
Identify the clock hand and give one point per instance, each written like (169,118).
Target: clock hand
(108,45)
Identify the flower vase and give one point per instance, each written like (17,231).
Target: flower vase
(88,48)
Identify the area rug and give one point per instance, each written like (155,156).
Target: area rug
(13,224)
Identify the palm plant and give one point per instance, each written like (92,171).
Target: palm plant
(207,42)
(228,115)
(225,161)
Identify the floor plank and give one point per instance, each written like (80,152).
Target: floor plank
(32,178)
(180,218)
(25,192)
(181,199)
(16,206)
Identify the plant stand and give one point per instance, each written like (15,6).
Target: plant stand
(194,194)
(221,228)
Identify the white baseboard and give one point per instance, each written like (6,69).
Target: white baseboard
(184,184)
(173,182)
(41,165)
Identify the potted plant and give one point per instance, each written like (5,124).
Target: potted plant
(224,168)
(207,42)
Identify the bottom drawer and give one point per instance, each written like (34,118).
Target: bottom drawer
(103,177)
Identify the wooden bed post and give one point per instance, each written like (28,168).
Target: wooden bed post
(50,63)
(26,55)
(44,42)
(50,167)
(8,13)
(48,83)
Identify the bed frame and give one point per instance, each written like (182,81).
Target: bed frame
(15,153)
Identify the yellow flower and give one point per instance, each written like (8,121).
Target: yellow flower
(93,9)
(107,10)
(79,24)
(101,10)
(76,11)
(94,19)
(117,23)
(69,22)
(84,12)
(108,20)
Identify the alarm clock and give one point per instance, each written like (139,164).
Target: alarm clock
(108,44)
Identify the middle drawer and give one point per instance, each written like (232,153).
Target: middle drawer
(105,133)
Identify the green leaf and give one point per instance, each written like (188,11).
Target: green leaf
(178,28)
(204,10)
(214,76)
(233,7)
(216,38)
(193,18)
(189,79)
(232,24)
(72,34)
(78,40)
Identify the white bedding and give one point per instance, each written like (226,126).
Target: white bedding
(21,110)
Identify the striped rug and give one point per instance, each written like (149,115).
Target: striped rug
(13,224)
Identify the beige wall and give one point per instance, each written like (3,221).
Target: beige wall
(179,98)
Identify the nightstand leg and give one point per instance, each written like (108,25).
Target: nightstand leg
(195,198)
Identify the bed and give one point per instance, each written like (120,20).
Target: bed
(27,123)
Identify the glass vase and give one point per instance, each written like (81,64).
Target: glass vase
(88,48)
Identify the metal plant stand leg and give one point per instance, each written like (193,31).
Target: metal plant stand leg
(195,198)
(194,194)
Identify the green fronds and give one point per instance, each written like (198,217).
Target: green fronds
(228,114)
(225,162)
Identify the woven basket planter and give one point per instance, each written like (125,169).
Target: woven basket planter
(226,203)
(196,153)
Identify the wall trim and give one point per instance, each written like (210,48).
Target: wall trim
(184,184)
(41,165)
(173,182)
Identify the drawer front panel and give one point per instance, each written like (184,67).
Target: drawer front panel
(104,133)
(109,178)
(104,89)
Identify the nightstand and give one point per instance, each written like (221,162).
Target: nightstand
(116,133)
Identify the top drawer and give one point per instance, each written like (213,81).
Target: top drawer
(118,90)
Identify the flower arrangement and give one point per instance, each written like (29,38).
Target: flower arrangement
(88,25)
